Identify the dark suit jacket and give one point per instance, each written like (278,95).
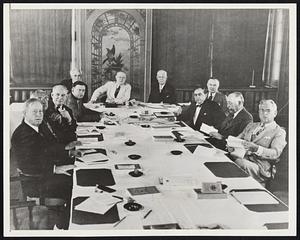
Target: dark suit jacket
(236,125)
(33,153)
(80,112)
(167,95)
(221,100)
(210,114)
(68,83)
(231,127)
(64,131)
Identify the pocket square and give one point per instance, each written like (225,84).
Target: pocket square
(205,113)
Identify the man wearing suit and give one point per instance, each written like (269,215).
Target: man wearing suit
(202,111)
(162,91)
(75,103)
(264,142)
(234,123)
(60,117)
(75,76)
(36,156)
(213,94)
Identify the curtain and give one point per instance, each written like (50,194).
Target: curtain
(40,46)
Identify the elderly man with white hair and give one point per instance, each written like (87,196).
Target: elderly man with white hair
(162,91)
(214,94)
(76,75)
(264,142)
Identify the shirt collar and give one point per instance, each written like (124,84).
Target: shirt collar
(269,124)
(161,86)
(30,125)
(236,113)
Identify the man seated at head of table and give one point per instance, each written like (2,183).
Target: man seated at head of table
(202,110)
(59,116)
(162,91)
(75,76)
(117,91)
(264,142)
(214,94)
(234,123)
(36,156)
(75,103)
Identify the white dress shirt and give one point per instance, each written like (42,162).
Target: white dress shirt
(196,114)
(30,125)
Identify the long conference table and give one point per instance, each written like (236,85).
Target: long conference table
(163,197)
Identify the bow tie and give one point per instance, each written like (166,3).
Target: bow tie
(199,105)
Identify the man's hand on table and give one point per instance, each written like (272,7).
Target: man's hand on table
(72,145)
(63,169)
(216,135)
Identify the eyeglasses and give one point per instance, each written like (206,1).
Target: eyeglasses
(198,94)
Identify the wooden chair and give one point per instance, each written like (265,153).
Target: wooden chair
(31,197)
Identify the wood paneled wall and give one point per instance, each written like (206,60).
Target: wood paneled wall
(181,45)
(40,46)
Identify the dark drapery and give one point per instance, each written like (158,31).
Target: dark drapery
(40,46)
(181,45)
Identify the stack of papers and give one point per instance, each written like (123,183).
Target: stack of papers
(237,144)
(94,157)
(98,203)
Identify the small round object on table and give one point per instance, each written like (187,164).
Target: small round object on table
(100,127)
(163,112)
(134,156)
(145,125)
(176,152)
(133,206)
(133,116)
(135,173)
(130,143)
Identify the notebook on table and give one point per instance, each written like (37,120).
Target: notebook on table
(91,177)
(225,170)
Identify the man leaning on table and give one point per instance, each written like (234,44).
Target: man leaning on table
(117,91)
(202,111)
(162,91)
(234,123)
(264,142)
(75,103)
(37,157)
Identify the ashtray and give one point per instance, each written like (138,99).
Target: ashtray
(206,145)
(110,114)
(224,186)
(109,123)
(130,143)
(100,127)
(135,173)
(133,206)
(145,125)
(134,156)
(176,152)
(133,116)
(163,112)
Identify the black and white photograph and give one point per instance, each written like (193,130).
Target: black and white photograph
(149,119)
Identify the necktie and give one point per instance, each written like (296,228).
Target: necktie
(210,97)
(117,91)
(257,131)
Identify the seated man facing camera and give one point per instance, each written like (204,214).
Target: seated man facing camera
(75,103)
(264,142)
(237,119)
(117,92)
(202,111)
(40,158)
(60,117)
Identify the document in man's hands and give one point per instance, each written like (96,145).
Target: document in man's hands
(207,129)
(237,144)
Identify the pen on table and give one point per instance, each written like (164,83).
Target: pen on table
(147,213)
(116,224)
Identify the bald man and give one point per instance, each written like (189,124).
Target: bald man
(59,116)
(162,91)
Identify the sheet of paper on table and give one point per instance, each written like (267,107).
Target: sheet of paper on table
(204,151)
(207,129)
(254,197)
(98,203)
(89,145)
(179,181)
